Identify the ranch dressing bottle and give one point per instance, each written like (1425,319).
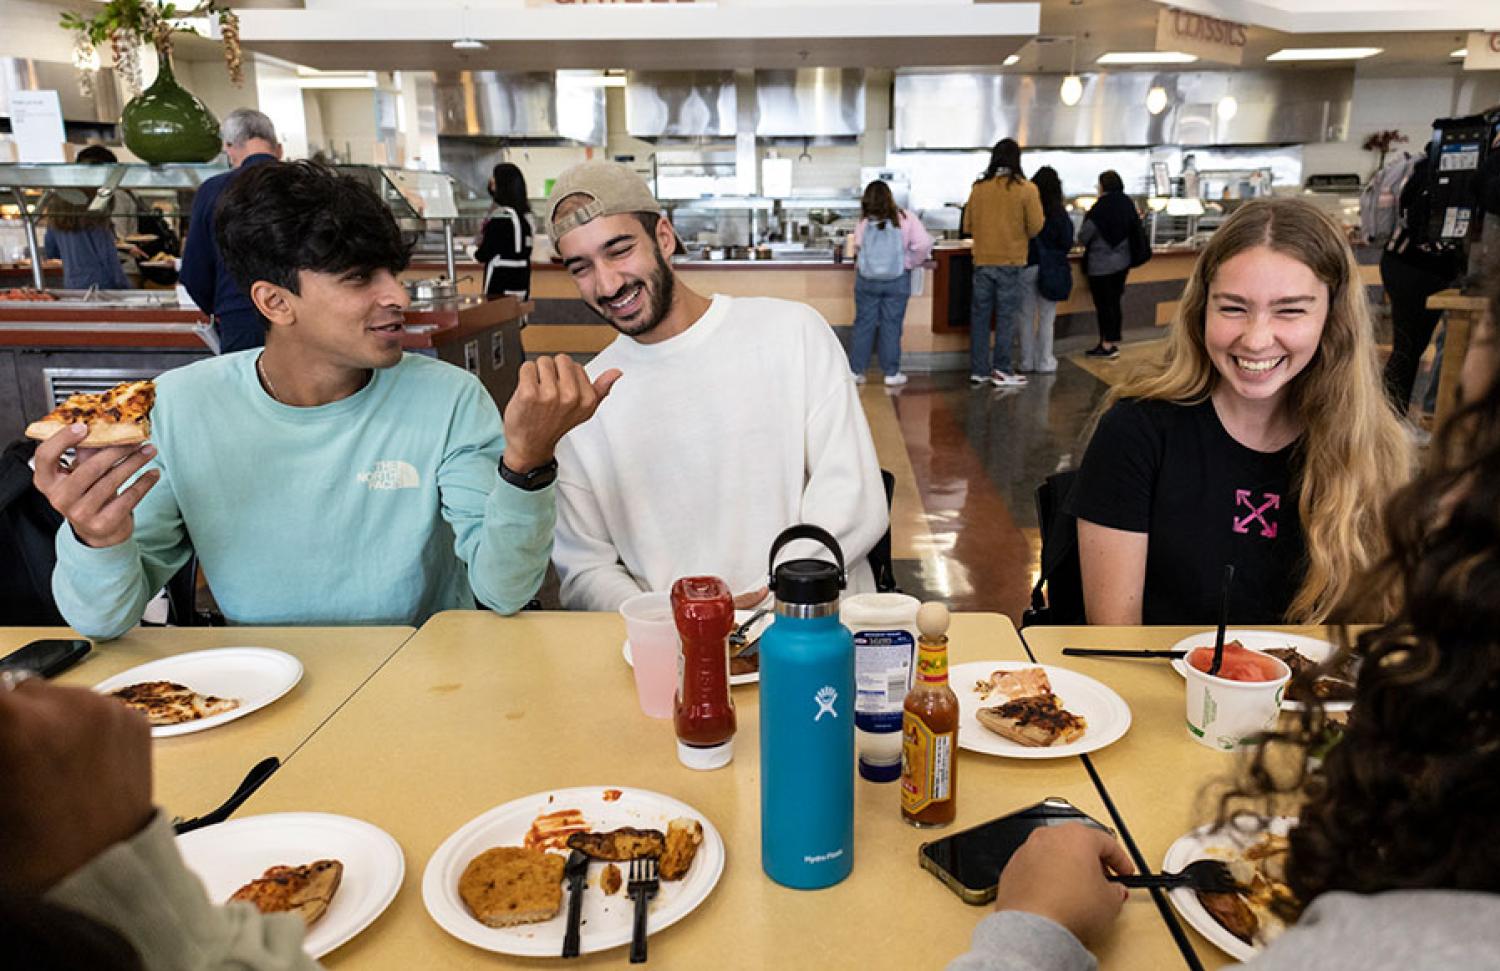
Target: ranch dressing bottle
(884,626)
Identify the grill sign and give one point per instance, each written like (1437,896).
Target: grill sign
(1209,37)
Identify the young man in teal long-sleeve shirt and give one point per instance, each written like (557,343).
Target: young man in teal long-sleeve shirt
(329,479)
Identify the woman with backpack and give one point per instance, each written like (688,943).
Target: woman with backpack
(1048,278)
(1110,235)
(888,243)
(1002,214)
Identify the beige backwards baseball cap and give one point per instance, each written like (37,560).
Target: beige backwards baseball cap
(611,189)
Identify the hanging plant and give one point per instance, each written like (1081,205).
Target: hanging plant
(127,24)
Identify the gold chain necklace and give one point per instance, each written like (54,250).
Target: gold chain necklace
(266,379)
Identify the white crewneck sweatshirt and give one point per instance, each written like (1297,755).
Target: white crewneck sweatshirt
(709,445)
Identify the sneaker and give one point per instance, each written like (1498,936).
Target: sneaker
(1001,379)
(978,379)
(895,380)
(859,379)
(1099,350)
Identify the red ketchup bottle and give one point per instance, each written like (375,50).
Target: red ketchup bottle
(704,717)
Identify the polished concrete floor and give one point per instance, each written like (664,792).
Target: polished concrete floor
(967,533)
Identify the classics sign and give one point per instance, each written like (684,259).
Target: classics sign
(1209,37)
(1484,51)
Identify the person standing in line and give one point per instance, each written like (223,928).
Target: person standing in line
(504,246)
(1413,267)
(249,140)
(85,240)
(1106,234)
(889,243)
(1002,214)
(1048,278)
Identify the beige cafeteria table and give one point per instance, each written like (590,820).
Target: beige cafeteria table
(1154,775)
(477,710)
(193,773)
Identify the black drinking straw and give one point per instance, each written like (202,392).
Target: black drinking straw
(1213,669)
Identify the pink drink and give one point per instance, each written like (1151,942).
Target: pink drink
(653,651)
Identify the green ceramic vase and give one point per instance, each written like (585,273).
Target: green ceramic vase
(167,122)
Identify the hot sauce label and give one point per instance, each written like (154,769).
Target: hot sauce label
(925,760)
(932,663)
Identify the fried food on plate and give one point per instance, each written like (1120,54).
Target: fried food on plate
(304,890)
(619,845)
(509,885)
(169,703)
(684,836)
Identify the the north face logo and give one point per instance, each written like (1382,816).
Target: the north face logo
(391,475)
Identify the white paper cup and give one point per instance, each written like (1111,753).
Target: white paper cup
(653,651)
(1224,714)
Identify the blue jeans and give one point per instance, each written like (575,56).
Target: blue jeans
(997,293)
(879,309)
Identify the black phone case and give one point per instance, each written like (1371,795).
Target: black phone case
(47,658)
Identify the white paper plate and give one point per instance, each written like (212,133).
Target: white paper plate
(606,920)
(256,676)
(740,616)
(231,854)
(1204,844)
(1107,714)
(1259,640)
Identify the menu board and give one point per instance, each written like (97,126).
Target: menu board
(37,125)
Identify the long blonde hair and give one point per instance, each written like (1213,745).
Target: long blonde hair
(1352,452)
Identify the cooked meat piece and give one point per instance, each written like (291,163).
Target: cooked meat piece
(683,838)
(1232,913)
(619,845)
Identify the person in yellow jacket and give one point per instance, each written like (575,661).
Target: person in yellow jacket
(1003,213)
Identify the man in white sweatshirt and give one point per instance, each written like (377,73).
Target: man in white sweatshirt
(735,417)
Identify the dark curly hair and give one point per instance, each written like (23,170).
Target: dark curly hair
(279,218)
(1408,798)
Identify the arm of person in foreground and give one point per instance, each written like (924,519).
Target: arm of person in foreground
(504,533)
(1113,564)
(843,492)
(81,834)
(120,543)
(1052,897)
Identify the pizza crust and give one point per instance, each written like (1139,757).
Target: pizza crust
(101,434)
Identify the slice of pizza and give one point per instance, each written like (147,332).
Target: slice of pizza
(1036,722)
(304,890)
(119,416)
(1005,686)
(169,703)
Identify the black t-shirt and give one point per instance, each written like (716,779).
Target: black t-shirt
(1206,500)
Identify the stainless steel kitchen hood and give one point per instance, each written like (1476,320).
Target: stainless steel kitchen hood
(680,104)
(974,109)
(20,74)
(537,105)
(810,102)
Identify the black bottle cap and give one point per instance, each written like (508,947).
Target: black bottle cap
(808,582)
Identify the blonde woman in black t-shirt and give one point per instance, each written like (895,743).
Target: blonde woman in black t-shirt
(1261,438)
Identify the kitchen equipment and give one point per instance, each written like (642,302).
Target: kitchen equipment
(436,288)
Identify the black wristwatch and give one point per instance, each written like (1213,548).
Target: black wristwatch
(538,478)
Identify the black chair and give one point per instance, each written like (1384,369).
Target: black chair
(880,554)
(1057,597)
(28,534)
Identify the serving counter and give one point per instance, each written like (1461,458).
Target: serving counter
(50,349)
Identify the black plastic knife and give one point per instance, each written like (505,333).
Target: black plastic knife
(574,871)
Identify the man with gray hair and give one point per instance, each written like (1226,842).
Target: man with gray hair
(249,140)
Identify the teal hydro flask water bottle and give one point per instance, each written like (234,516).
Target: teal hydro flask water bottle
(807,723)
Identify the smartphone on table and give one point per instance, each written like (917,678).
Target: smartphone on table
(970,861)
(47,658)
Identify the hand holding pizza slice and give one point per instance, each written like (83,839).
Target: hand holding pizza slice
(110,432)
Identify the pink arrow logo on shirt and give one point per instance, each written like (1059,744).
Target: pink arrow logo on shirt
(1257,513)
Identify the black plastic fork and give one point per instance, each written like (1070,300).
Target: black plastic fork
(642,888)
(1207,876)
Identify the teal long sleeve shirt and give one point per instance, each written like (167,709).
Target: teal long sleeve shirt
(382,508)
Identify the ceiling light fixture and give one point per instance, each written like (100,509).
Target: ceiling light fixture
(470,44)
(1462,52)
(1013,59)
(1324,53)
(1156,99)
(1146,57)
(1227,107)
(1071,91)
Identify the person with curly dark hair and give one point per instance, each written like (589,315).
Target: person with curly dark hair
(330,478)
(1394,859)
